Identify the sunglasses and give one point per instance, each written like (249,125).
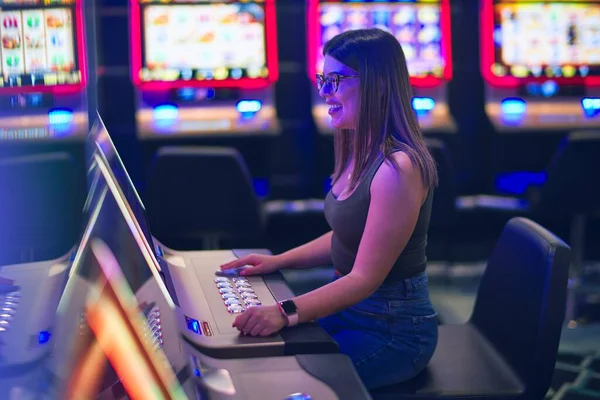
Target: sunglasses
(332,81)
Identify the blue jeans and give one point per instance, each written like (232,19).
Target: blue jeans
(390,336)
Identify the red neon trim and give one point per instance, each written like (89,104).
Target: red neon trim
(487,47)
(272,58)
(446,27)
(314,36)
(313,32)
(135,37)
(81,60)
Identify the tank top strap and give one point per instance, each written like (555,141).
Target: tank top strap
(370,174)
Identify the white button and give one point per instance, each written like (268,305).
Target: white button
(226,296)
(221,279)
(238,279)
(245,290)
(248,295)
(224,285)
(243,284)
(235,309)
(231,302)
(226,290)
(252,302)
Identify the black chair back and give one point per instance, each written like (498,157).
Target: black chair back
(196,191)
(41,202)
(572,185)
(520,304)
(443,209)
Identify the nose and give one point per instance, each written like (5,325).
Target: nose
(324,92)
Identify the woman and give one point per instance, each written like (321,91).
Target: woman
(377,307)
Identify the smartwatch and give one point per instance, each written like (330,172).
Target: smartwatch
(290,311)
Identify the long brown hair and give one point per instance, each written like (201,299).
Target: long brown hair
(386,121)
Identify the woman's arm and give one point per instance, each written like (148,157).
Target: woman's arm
(396,199)
(312,254)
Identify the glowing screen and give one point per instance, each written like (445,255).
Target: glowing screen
(550,39)
(416,25)
(38,44)
(203,41)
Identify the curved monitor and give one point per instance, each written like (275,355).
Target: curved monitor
(198,43)
(533,41)
(421,26)
(42,46)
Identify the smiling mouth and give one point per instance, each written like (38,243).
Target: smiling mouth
(334,108)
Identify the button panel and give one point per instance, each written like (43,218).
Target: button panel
(237,294)
(9,303)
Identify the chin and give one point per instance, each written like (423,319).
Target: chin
(337,124)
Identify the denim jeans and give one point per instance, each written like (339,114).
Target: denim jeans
(390,336)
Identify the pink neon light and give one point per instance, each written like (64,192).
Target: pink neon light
(314,35)
(487,57)
(81,59)
(244,83)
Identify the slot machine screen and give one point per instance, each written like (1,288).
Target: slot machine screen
(203,43)
(421,27)
(42,47)
(535,40)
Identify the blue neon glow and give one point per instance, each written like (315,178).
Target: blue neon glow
(186,94)
(591,106)
(60,116)
(248,106)
(261,187)
(514,106)
(549,88)
(193,325)
(44,337)
(165,112)
(516,183)
(423,104)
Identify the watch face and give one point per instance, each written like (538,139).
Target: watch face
(289,307)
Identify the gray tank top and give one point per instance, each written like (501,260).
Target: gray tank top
(347,219)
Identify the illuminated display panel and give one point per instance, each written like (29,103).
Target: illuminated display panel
(540,40)
(41,46)
(203,43)
(422,28)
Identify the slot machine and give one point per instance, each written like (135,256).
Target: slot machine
(204,68)
(43,70)
(423,29)
(541,64)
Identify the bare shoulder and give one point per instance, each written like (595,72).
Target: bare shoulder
(405,178)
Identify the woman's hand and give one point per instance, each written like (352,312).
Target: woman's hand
(260,321)
(259,264)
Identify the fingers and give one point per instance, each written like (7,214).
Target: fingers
(241,320)
(240,262)
(267,331)
(257,329)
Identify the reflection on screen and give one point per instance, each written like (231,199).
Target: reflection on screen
(560,39)
(203,41)
(415,25)
(38,46)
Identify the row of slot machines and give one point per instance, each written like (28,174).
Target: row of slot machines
(209,67)
(123,316)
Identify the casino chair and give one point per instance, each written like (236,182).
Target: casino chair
(198,196)
(444,213)
(571,191)
(508,348)
(41,202)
